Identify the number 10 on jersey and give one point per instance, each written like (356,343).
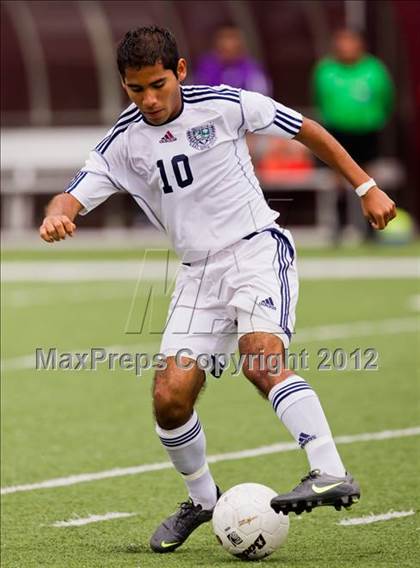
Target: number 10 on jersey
(183,178)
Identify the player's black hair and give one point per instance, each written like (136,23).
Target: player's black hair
(147,46)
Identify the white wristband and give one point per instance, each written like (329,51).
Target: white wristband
(364,188)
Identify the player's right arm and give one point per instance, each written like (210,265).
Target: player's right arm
(59,216)
(99,178)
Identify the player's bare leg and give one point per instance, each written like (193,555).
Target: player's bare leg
(174,394)
(298,407)
(258,343)
(175,391)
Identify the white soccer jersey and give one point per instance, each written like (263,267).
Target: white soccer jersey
(193,175)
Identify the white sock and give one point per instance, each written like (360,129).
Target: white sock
(186,447)
(298,407)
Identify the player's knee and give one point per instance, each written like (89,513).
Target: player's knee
(258,377)
(261,342)
(264,374)
(171,408)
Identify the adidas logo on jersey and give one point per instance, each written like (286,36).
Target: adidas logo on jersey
(169,137)
(268,303)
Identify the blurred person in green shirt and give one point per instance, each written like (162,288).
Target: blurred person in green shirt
(354,96)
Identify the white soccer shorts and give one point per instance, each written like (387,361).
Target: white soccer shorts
(249,286)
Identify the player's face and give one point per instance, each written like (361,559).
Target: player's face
(155,90)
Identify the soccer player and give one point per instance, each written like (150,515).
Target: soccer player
(181,153)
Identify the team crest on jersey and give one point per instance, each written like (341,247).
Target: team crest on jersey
(202,137)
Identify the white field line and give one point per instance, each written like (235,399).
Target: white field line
(61,271)
(357,328)
(30,298)
(77,522)
(311,268)
(305,335)
(229,456)
(375,518)
(29,361)
(25,298)
(92,519)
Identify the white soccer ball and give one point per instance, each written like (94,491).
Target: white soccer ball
(245,524)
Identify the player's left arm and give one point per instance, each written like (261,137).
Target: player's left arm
(377,207)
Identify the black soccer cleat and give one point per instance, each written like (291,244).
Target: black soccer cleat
(318,490)
(175,530)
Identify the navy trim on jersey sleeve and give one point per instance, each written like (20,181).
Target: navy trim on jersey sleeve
(286,122)
(199,89)
(129,116)
(212,98)
(204,93)
(118,129)
(75,181)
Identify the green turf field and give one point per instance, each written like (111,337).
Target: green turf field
(61,423)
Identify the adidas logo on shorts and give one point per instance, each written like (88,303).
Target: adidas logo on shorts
(169,137)
(268,303)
